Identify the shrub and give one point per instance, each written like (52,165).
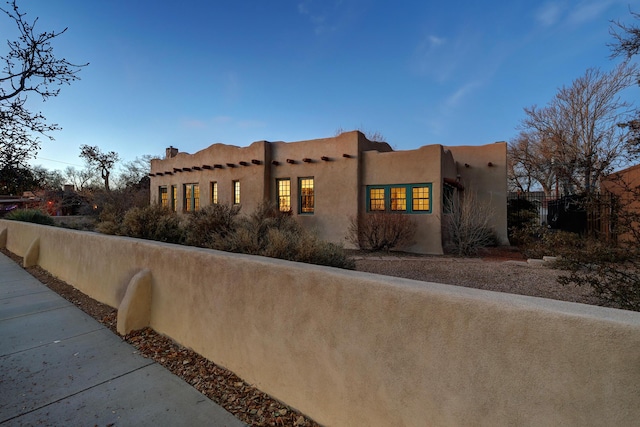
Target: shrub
(613,273)
(467,226)
(381,231)
(153,222)
(266,232)
(538,241)
(521,214)
(211,226)
(30,215)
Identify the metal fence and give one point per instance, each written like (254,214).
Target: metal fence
(584,214)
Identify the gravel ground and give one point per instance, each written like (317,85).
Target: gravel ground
(494,271)
(493,274)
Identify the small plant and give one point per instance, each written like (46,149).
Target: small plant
(30,215)
(381,231)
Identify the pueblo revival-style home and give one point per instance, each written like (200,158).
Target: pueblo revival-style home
(327,182)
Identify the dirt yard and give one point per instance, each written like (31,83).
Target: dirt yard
(496,269)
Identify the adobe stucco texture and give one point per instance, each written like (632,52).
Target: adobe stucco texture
(351,348)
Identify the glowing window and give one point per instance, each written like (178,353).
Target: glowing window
(306,195)
(214,193)
(236,192)
(191,197)
(376,199)
(398,198)
(164,196)
(174,197)
(420,199)
(284,195)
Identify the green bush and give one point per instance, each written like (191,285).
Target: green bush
(30,215)
(521,214)
(153,222)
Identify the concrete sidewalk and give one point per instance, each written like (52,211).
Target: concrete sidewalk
(58,366)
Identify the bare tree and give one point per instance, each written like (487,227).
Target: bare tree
(374,136)
(80,178)
(103,162)
(580,126)
(627,45)
(530,162)
(627,38)
(29,67)
(133,172)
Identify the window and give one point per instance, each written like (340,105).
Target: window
(236,192)
(398,198)
(376,199)
(409,198)
(420,198)
(214,193)
(191,197)
(284,194)
(306,195)
(164,196)
(174,197)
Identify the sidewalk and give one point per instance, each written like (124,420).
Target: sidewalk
(58,366)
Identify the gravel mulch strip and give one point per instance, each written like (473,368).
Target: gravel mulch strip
(222,386)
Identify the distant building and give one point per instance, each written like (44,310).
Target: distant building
(622,223)
(326,182)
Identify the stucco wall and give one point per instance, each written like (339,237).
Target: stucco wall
(356,349)
(253,177)
(483,170)
(422,165)
(335,181)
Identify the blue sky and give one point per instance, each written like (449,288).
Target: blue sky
(196,72)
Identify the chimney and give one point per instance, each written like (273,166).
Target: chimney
(171,152)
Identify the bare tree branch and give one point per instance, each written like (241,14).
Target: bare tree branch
(29,66)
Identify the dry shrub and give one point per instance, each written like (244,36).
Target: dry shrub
(153,222)
(211,226)
(266,232)
(612,272)
(381,231)
(467,226)
(539,240)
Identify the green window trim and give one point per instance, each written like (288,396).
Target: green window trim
(400,198)
(191,197)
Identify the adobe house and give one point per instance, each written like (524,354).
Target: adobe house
(326,182)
